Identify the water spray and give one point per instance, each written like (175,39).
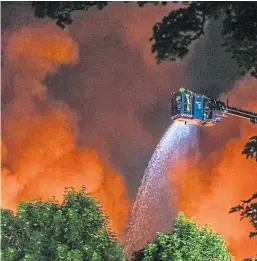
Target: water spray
(153,211)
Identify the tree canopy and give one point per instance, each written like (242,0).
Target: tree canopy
(61,10)
(187,241)
(74,230)
(77,230)
(173,36)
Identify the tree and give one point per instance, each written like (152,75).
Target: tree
(61,10)
(248,208)
(188,242)
(173,36)
(250,149)
(74,230)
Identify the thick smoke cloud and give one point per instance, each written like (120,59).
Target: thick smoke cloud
(120,92)
(209,68)
(39,136)
(115,99)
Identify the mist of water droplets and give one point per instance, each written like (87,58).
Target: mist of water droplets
(153,211)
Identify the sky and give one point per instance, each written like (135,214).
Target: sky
(111,96)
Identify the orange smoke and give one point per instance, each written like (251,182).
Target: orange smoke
(137,32)
(39,152)
(209,193)
(43,47)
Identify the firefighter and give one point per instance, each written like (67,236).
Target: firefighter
(188,102)
(187,99)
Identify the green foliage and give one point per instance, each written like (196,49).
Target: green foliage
(240,35)
(250,149)
(187,242)
(75,230)
(181,27)
(177,31)
(173,36)
(61,10)
(248,209)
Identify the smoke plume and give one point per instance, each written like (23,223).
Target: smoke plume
(123,102)
(40,155)
(222,179)
(122,95)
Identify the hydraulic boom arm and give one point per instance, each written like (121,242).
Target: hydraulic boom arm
(242,114)
(224,108)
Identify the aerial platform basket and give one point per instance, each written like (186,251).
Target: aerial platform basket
(192,108)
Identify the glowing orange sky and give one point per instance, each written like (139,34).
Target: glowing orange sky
(40,156)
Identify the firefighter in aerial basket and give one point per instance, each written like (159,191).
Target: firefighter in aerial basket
(187,95)
(201,110)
